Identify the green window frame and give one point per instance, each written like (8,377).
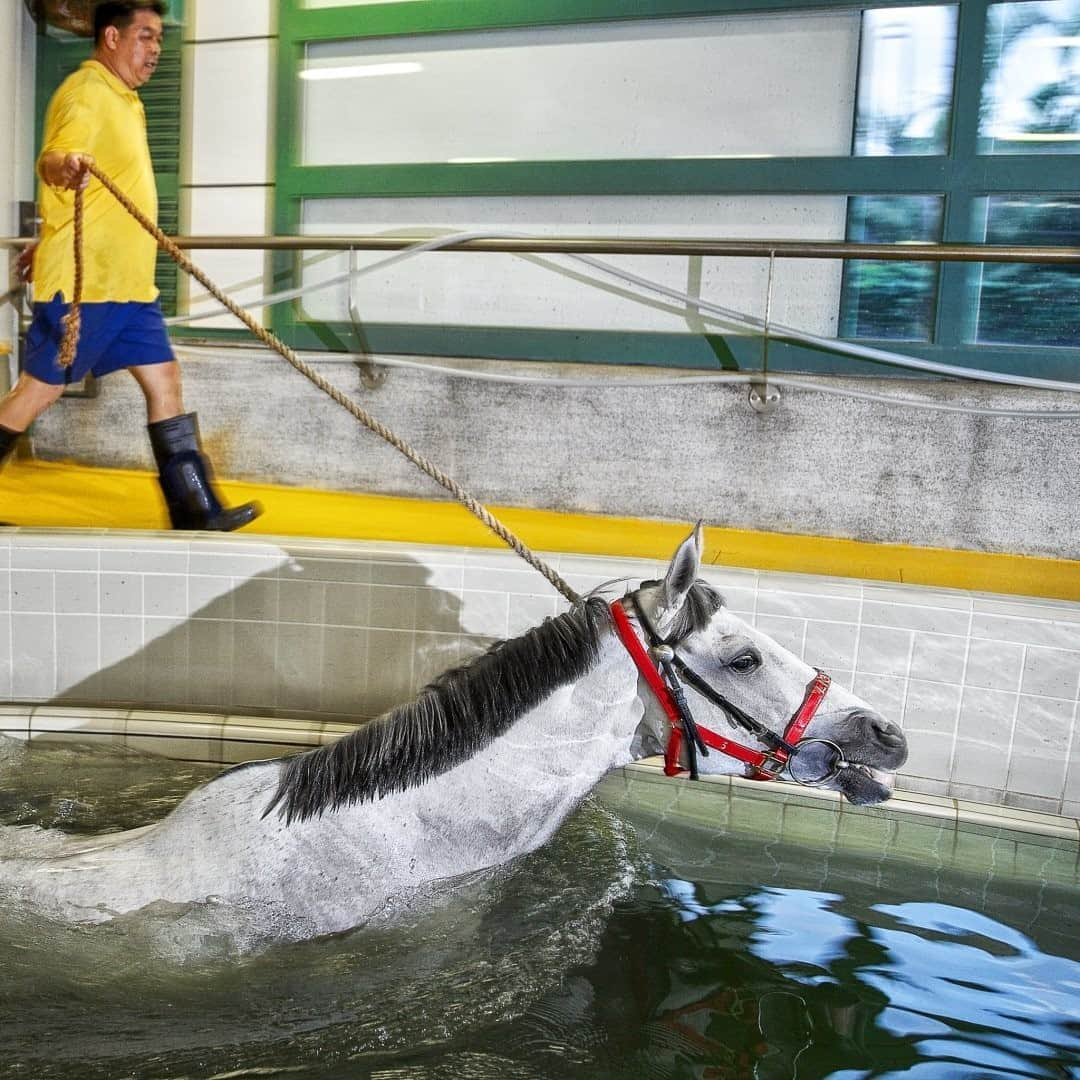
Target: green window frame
(961,177)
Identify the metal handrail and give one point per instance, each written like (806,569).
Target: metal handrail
(580,245)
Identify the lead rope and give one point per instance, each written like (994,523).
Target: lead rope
(73,319)
(71,340)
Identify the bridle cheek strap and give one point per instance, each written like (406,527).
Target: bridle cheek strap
(766,765)
(797,725)
(644,664)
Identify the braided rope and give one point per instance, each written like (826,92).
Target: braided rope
(73,319)
(305,369)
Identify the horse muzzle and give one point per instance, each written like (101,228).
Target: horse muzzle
(858,757)
(866,738)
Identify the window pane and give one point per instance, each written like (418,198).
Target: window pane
(660,88)
(892,300)
(1025,304)
(1031,96)
(906,64)
(501,290)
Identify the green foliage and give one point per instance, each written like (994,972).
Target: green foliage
(890,300)
(1028,304)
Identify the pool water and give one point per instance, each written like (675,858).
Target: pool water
(637,944)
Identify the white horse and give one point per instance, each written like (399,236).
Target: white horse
(481,767)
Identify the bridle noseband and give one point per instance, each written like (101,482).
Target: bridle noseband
(661,667)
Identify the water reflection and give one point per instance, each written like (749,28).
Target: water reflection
(900,985)
(636,945)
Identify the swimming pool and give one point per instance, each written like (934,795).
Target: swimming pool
(707,930)
(717,929)
(317,635)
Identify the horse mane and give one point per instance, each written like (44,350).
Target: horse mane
(453,718)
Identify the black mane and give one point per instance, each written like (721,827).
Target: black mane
(453,718)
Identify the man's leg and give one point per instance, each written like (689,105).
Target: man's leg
(183,471)
(161,386)
(21,406)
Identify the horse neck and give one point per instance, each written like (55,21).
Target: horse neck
(511,796)
(582,729)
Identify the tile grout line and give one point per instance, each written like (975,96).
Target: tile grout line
(1015,721)
(950,772)
(907,678)
(1070,764)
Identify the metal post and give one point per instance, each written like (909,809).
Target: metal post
(764,398)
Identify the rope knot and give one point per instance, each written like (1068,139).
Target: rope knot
(70,345)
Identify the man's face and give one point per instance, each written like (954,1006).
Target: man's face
(132,53)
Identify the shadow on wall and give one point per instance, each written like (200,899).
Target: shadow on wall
(285,643)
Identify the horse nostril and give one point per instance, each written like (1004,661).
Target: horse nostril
(887,733)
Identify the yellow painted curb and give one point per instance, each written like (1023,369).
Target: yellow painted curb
(59,495)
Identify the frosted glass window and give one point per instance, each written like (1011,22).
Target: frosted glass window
(551,292)
(663,88)
(906,65)
(1031,95)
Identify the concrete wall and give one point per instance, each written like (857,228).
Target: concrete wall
(17,50)
(820,464)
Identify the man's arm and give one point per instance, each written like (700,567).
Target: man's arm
(68,171)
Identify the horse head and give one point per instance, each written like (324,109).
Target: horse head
(754,706)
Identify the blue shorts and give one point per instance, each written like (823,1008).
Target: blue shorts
(113,336)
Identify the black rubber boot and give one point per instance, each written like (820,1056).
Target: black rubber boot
(185,479)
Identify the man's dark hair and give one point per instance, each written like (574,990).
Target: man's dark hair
(121,14)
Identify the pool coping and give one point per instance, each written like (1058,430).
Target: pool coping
(228,739)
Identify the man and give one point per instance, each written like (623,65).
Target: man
(96,117)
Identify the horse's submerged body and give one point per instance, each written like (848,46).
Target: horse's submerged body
(484,766)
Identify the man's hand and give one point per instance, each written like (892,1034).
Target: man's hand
(24,264)
(68,171)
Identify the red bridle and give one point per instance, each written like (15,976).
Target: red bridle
(766,764)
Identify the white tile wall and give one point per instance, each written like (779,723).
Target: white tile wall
(987,688)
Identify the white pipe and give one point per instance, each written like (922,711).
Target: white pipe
(730,377)
(727,314)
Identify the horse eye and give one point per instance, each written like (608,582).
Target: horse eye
(746,662)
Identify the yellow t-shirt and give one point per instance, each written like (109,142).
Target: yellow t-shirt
(93,112)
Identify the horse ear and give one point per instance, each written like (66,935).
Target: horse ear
(683,571)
